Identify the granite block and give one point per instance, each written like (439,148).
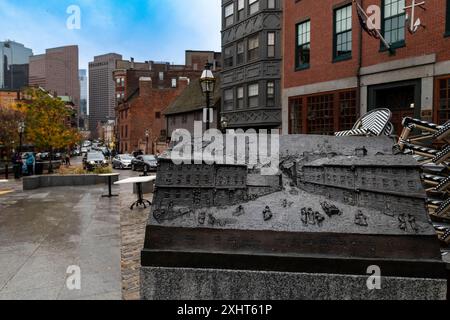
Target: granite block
(209,284)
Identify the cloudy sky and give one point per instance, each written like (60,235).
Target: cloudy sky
(158,30)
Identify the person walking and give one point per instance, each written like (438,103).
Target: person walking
(30,161)
(17,165)
(67,159)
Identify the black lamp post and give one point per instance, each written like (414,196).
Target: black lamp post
(147,134)
(21,129)
(207,83)
(224,123)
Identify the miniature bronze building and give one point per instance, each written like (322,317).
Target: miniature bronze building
(199,185)
(386,183)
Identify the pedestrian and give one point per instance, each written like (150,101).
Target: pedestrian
(30,162)
(67,160)
(17,165)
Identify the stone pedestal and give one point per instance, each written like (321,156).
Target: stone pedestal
(211,284)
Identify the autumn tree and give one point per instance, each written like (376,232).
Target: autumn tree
(48,122)
(9,127)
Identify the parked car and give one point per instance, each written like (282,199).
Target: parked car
(122,161)
(106,152)
(43,156)
(94,160)
(76,152)
(84,150)
(144,163)
(138,153)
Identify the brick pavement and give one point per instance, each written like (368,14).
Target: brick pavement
(132,225)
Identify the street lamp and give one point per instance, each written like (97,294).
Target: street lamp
(147,134)
(224,123)
(21,130)
(207,83)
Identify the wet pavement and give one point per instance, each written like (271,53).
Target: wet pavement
(45,231)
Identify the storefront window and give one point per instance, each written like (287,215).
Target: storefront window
(316,114)
(443,112)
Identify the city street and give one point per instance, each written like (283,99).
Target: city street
(284,150)
(45,231)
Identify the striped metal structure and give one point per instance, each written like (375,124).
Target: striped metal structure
(374,123)
(431,148)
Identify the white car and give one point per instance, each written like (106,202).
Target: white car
(122,161)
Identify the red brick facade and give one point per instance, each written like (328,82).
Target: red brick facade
(412,81)
(143,112)
(9,97)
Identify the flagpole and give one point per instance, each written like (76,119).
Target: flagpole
(386,44)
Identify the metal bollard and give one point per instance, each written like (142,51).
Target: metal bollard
(6,171)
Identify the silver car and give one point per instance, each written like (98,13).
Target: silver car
(122,161)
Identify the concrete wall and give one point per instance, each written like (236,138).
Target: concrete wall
(36,182)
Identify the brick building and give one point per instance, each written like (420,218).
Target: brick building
(9,98)
(141,114)
(170,79)
(163,74)
(334,70)
(196,59)
(56,71)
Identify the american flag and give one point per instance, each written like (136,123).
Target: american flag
(365,23)
(368,26)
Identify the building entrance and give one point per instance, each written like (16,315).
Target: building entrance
(402,98)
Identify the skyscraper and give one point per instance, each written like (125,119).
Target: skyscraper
(57,72)
(83,91)
(102,100)
(83,99)
(14,61)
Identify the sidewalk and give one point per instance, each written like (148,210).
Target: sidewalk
(43,232)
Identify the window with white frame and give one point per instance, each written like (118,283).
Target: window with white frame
(447,24)
(271,44)
(229,15)
(240,53)
(228,58)
(303,45)
(228,99)
(270,94)
(253,95)
(241,7)
(253,48)
(253,6)
(394,21)
(240,98)
(343,32)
